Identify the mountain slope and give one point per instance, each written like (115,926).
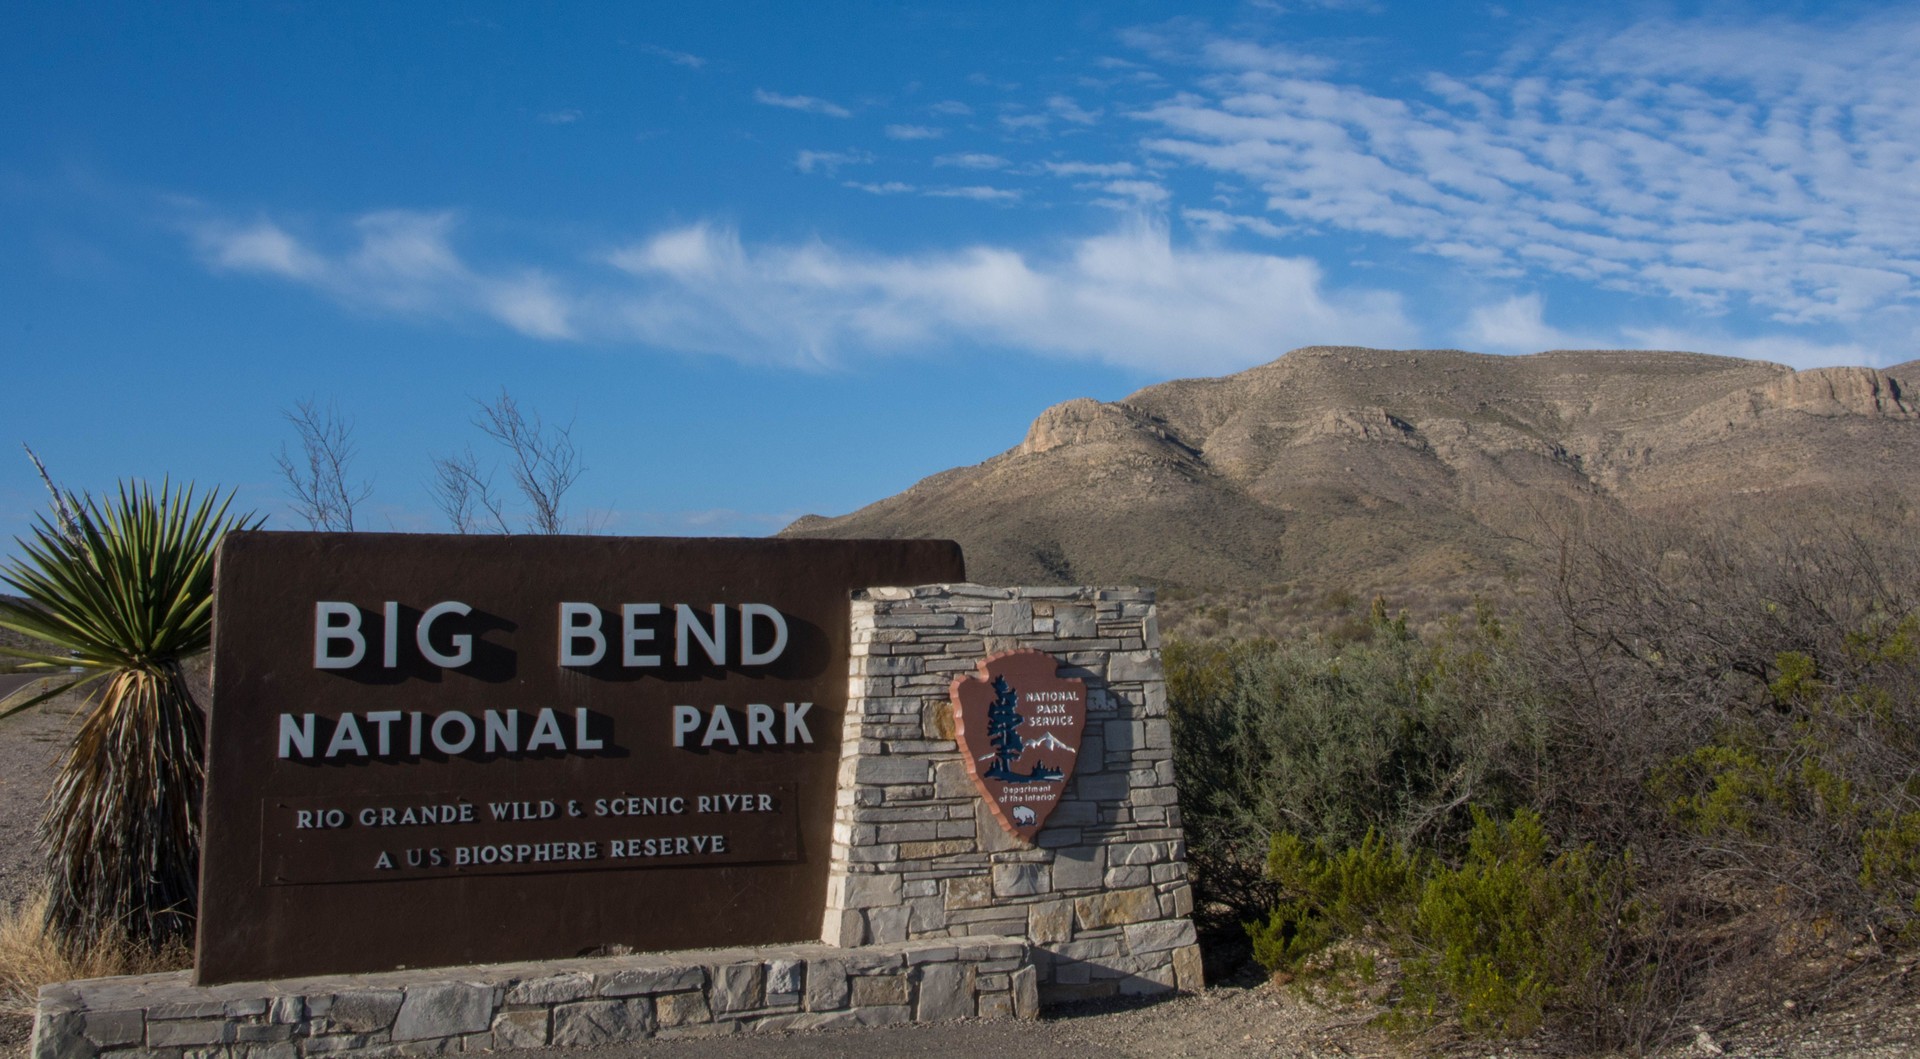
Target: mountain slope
(1367,469)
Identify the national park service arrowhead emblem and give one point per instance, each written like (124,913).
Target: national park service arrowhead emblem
(1019,725)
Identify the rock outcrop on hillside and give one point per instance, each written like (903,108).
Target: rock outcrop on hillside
(1369,469)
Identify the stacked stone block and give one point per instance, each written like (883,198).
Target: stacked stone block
(583,1003)
(917,855)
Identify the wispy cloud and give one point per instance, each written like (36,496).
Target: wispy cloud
(561,117)
(972,160)
(889,187)
(808,104)
(1128,194)
(1221,222)
(1518,325)
(398,261)
(677,58)
(1130,297)
(951,108)
(1066,109)
(913,132)
(1781,349)
(976,192)
(1090,169)
(1767,166)
(829,161)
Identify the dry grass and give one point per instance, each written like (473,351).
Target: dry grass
(29,959)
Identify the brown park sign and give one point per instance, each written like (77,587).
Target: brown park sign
(433,750)
(1019,725)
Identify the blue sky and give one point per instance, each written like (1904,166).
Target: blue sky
(772,259)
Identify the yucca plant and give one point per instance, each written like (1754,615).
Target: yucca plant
(121,593)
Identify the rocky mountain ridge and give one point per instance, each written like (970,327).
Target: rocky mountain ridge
(1369,468)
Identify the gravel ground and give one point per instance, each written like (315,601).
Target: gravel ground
(30,747)
(1243,1016)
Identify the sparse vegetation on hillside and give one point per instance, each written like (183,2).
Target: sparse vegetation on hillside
(1421,475)
(1688,754)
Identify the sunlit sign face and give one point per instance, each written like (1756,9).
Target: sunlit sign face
(429,750)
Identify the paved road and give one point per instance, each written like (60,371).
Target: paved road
(12,682)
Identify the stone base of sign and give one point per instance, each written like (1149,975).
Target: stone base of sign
(917,856)
(568,1002)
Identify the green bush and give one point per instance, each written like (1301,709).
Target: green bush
(1331,742)
(1721,733)
(1499,941)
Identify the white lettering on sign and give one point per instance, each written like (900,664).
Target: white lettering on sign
(525,853)
(633,805)
(326,632)
(451,732)
(415,815)
(632,634)
(749,655)
(719,729)
(755,635)
(581,621)
(667,847)
(751,634)
(336,622)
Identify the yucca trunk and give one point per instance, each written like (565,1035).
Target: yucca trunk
(122,826)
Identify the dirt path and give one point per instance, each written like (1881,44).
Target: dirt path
(31,745)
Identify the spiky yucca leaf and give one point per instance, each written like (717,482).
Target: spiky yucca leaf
(123,595)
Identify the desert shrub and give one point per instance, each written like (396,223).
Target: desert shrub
(1331,741)
(1747,709)
(1736,715)
(1499,939)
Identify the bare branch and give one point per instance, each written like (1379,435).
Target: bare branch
(543,460)
(317,481)
(466,496)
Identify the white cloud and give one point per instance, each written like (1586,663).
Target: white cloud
(951,108)
(1066,109)
(1090,169)
(809,104)
(399,261)
(829,161)
(259,247)
(1518,325)
(1220,222)
(1129,194)
(977,192)
(890,187)
(678,58)
(913,132)
(1129,297)
(1781,349)
(1246,55)
(561,117)
(972,161)
(1766,167)
(531,305)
